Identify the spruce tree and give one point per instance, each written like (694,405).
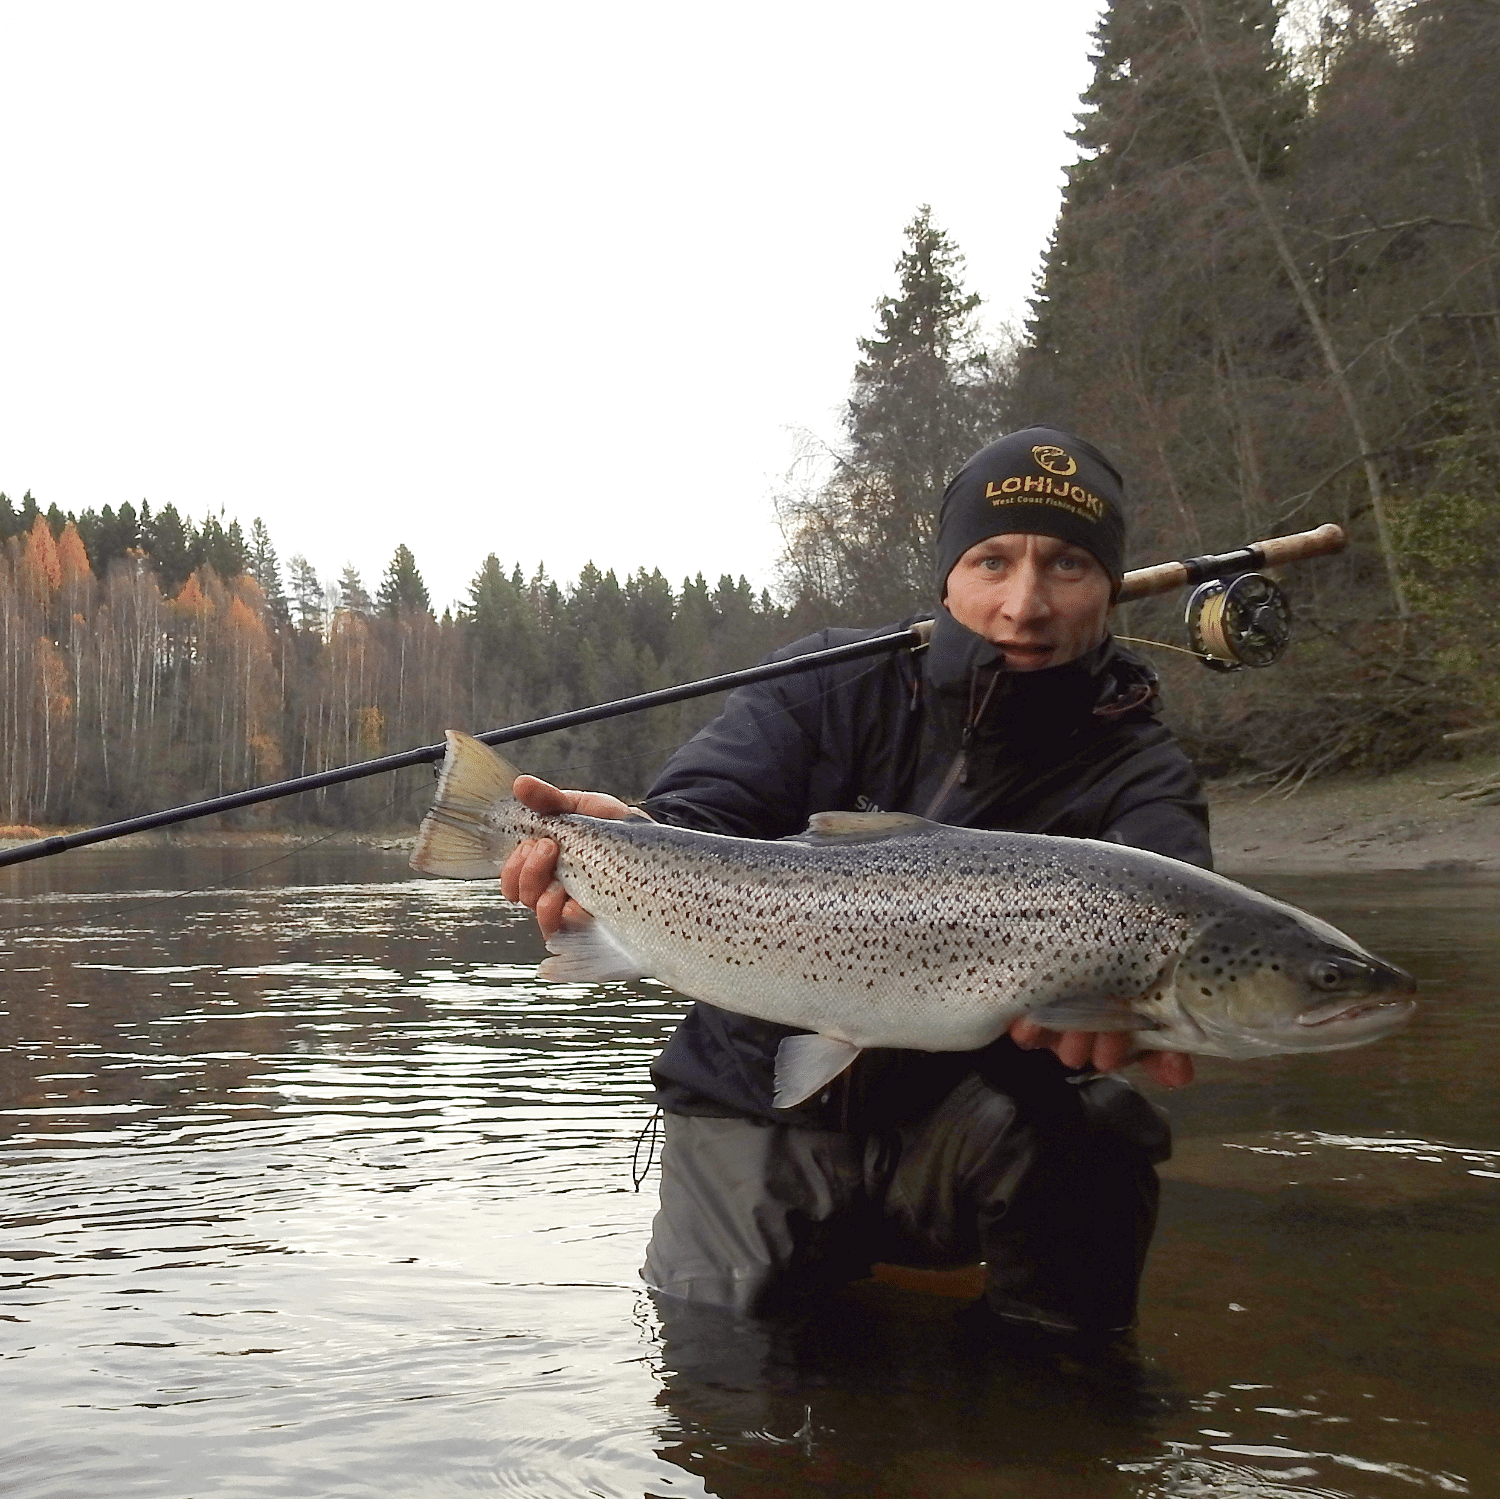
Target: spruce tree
(352,595)
(173,547)
(223,548)
(925,396)
(1163,329)
(648,608)
(119,531)
(307,596)
(913,405)
(262,565)
(402,588)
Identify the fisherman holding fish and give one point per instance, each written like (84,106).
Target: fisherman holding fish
(897,1120)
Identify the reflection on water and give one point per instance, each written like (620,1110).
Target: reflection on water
(311,1188)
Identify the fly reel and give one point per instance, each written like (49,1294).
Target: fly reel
(1245,620)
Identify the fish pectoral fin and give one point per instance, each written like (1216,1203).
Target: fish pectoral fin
(865,827)
(1092,1015)
(807,1064)
(587,952)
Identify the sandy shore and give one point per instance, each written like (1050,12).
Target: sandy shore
(1410,820)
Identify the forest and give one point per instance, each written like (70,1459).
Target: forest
(1272,297)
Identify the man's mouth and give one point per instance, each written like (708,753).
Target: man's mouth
(1025,652)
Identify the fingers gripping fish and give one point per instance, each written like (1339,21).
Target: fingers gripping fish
(882,929)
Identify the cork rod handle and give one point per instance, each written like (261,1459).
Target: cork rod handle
(1276,551)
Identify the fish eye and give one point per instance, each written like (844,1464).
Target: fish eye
(1326,975)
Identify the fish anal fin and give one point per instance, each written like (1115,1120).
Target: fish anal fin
(829,827)
(1083,1014)
(807,1064)
(587,952)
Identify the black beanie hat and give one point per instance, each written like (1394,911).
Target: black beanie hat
(1041,480)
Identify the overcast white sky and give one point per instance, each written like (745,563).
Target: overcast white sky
(552,281)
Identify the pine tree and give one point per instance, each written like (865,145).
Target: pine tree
(402,588)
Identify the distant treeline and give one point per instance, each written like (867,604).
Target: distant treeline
(146,683)
(1273,297)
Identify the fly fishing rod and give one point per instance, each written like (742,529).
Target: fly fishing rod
(1249,628)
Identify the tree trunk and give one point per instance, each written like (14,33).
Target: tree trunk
(1193,10)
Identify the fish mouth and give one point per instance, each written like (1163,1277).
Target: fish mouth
(1391,1012)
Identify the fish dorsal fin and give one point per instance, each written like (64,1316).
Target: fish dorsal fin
(865,827)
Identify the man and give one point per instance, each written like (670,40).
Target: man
(1024,715)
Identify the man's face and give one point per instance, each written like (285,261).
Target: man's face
(1041,600)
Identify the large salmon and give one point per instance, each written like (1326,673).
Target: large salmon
(880,929)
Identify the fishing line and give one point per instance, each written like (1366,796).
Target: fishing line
(1162,645)
(1211,626)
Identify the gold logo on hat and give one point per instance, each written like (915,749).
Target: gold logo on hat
(1055,461)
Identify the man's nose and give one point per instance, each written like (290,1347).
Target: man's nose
(1026,600)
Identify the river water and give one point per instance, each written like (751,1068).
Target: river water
(308,1187)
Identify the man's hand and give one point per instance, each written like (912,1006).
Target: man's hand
(530,874)
(1105,1051)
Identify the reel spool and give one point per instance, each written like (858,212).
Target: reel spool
(1241,621)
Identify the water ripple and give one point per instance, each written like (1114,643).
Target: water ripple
(315,1188)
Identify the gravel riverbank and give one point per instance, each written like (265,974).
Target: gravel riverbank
(1411,820)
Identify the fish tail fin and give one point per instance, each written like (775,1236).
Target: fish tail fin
(455,841)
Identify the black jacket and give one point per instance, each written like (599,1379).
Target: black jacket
(948,733)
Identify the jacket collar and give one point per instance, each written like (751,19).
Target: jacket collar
(1105,682)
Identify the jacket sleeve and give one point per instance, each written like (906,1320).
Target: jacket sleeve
(1162,808)
(747,772)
